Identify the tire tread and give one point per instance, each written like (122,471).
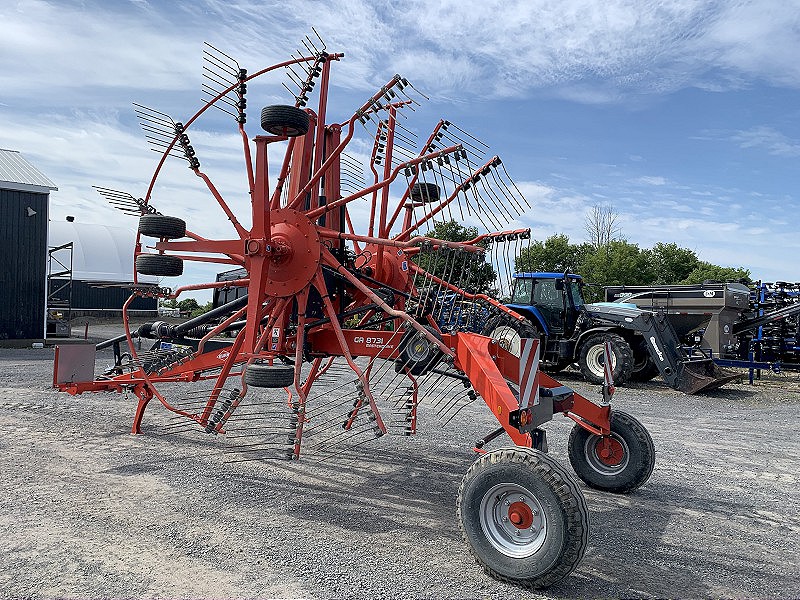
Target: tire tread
(639,475)
(570,496)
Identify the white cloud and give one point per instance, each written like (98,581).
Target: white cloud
(652,180)
(69,71)
(769,139)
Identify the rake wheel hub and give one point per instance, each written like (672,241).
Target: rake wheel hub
(297,253)
(394,269)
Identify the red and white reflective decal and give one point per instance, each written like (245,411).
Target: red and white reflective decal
(608,366)
(529,372)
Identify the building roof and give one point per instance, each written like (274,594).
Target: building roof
(16,173)
(99,252)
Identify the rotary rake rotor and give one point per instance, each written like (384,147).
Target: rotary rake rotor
(336,342)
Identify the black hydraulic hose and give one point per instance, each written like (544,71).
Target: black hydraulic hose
(160,329)
(115,340)
(225,309)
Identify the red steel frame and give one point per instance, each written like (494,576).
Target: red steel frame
(284,253)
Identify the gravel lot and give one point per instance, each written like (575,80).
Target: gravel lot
(91,511)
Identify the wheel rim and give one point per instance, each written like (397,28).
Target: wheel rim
(595,360)
(508,339)
(606,454)
(419,348)
(513,520)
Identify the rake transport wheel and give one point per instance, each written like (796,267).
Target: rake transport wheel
(417,353)
(523,516)
(620,462)
(160,265)
(425,192)
(284,120)
(269,376)
(161,226)
(591,358)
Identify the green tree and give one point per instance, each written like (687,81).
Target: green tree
(617,263)
(555,254)
(706,271)
(670,263)
(466,270)
(188,305)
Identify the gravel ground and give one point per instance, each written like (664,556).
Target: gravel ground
(91,511)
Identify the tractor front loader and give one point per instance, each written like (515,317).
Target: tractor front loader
(550,306)
(335,343)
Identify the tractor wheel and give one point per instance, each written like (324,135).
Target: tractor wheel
(417,353)
(619,462)
(509,332)
(591,358)
(523,516)
(644,369)
(161,226)
(284,120)
(269,376)
(160,265)
(425,192)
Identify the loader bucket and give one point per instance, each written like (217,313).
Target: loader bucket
(695,376)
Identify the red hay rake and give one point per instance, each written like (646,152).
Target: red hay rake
(335,342)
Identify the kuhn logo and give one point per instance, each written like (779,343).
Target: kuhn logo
(656,348)
(223,355)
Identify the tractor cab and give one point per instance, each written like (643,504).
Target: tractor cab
(554,299)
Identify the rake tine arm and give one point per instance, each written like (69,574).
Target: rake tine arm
(442,205)
(426,148)
(466,294)
(202,110)
(409,244)
(319,283)
(365,108)
(328,207)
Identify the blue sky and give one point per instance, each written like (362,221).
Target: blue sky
(683,115)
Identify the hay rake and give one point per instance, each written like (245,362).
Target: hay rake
(335,342)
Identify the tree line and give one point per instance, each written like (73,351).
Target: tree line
(619,262)
(606,259)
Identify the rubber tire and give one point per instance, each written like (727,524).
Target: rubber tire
(407,353)
(162,227)
(285,120)
(641,455)
(159,265)
(644,368)
(561,499)
(425,192)
(622,352)
(523,329)
(261,375)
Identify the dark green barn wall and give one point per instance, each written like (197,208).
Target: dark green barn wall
(23,263)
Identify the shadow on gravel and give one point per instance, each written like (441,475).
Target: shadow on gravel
(384,491)
(728,393)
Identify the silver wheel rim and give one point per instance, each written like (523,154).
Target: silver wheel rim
(508,339)
(595,360)
(594,461)
(497,513)
(419,348)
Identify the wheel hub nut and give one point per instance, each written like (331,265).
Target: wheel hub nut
(520,515)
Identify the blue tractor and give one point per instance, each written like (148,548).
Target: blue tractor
(643,343)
